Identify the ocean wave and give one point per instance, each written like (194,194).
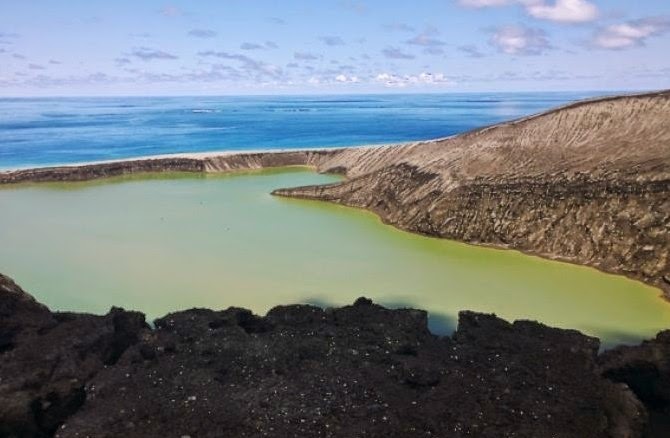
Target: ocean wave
(204,111)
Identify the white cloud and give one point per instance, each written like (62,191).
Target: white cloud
(401,81)
(346,79)
(520,40)
(568,11)
(564,11)
(484,3)
(384,77)
(325,79)
(630,34)
(430,78)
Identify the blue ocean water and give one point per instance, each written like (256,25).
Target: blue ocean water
(49,131)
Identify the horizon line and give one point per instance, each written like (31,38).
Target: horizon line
(405,93)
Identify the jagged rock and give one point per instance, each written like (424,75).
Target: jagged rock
(646,370)
(46,359)
(302,371)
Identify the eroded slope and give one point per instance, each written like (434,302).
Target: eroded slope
(587,183)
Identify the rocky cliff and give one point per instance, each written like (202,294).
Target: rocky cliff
(587,183)
(360,370)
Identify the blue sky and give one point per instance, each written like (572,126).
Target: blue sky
(149,47)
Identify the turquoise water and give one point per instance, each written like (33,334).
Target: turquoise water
(39,132)
(169,242)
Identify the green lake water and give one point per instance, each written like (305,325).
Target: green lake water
(170,242)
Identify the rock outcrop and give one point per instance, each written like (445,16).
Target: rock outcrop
(646,370)
(47,358)
(359,370)
(587,183)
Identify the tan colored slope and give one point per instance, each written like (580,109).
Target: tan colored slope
(587,183)
(628,136)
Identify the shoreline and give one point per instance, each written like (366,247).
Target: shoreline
(228,153)
(233,152)
(652,289)
(662,294)
(187,155)
(206,162)
(586,191)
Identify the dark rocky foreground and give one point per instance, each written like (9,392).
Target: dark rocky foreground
(360,370)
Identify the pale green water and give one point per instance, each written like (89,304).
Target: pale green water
(164,244)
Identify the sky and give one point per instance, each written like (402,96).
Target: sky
(156,47)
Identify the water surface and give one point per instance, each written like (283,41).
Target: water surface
(48,131)
(165,243)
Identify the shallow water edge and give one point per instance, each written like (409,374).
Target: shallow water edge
(407,270)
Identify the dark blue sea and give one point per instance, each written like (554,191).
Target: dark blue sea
(49,131)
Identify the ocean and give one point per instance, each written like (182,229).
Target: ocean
(50,131)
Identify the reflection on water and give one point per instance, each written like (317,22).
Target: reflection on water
(164,243)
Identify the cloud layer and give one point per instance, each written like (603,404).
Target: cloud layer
(630,34)
(149,54)
(350,45)
(520,40)
(565,11)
